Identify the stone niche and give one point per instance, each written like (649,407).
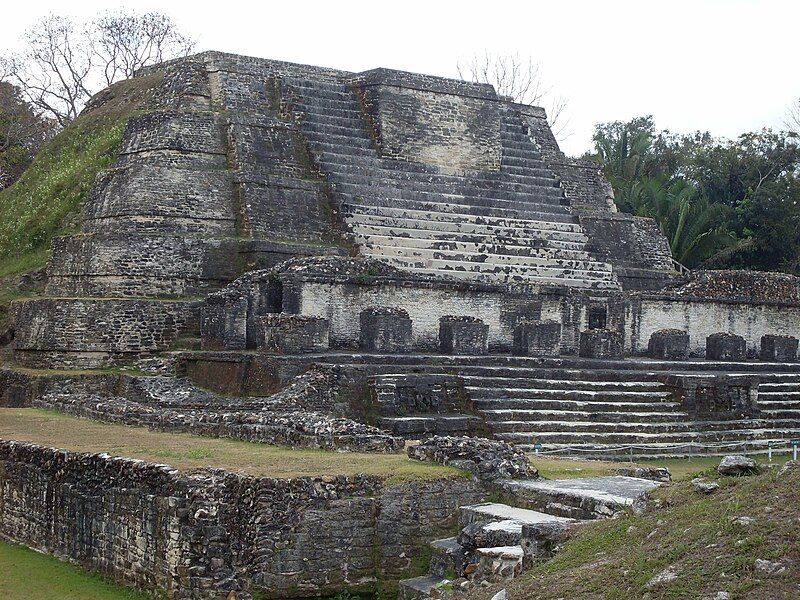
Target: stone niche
(385,329)
(454,125)
(600,343)
(779,348)
(463,335)
(292,334)
(537,338)
(725,346)
(669,344)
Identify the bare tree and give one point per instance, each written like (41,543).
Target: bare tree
(519,79)
(54,71)
(64,63)
(22,133)
(793,118)
(126,42)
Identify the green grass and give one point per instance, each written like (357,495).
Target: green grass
(694,533)
(46,200)
(189,452)
(28,575)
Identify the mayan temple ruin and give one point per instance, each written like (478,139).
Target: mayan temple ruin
(314,258)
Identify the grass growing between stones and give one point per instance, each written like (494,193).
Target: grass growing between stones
(27,575)
(695,536)
(188,452)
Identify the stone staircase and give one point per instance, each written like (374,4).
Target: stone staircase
(597,409)
(497,541)
(506,226)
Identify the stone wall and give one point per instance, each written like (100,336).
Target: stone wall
(92,332)
(702,317)
(212,532)
(452,124)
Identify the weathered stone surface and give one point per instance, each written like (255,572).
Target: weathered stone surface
(537,338)
(292,334)
(778,348)
(463,335)
(703,486)
(385,330)
(737,465)
(486,459)
(600,343)
(669,344)
(210,532)
(660,474)
(725,346)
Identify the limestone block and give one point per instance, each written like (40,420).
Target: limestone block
(779,348)
(600,343)
(292,334)
(725,346)
(463,335)
(385,330)
(669,344)
(223,322)
(537,338)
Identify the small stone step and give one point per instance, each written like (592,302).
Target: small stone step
(447,558)
(492,511)
(418,588)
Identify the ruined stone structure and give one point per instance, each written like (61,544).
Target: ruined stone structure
(262,209)
(305,256)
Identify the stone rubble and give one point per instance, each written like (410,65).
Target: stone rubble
(488,460)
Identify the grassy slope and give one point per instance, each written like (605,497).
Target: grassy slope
(45,201)
(25,574)
(692,532)
(187,452)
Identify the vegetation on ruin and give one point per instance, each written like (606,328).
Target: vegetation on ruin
(46,200)
(188,452)
(695,534)
(27,574)
(721,203)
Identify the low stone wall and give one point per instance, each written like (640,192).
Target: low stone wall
(218,534)
(704,317)
(92,332)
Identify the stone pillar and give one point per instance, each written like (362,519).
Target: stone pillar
(725,346)
(292,334)
(537,338)
(778,348)
(669,344)
(385,330)
(463,335)
(600,343)
(223,321)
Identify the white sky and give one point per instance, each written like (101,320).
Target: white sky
(726,66)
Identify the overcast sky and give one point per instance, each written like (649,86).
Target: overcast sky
(725,66)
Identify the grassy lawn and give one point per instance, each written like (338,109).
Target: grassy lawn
(187,452)
(681,468)
(28,575)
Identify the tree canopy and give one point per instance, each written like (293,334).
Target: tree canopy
(721,203)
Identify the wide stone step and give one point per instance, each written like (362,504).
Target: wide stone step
(541,240)
(496,512)
(654,450)
(345,127)
(567,394)
(454,204)
(431,424)
(487,226)
(497,272)
(548,265)
(513,183)
(454,217)
(538,404)
(365,186)
(580,498)
(558,383)
(407,246)
(782,395)
(503,415)
(338,141)
(547,438)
